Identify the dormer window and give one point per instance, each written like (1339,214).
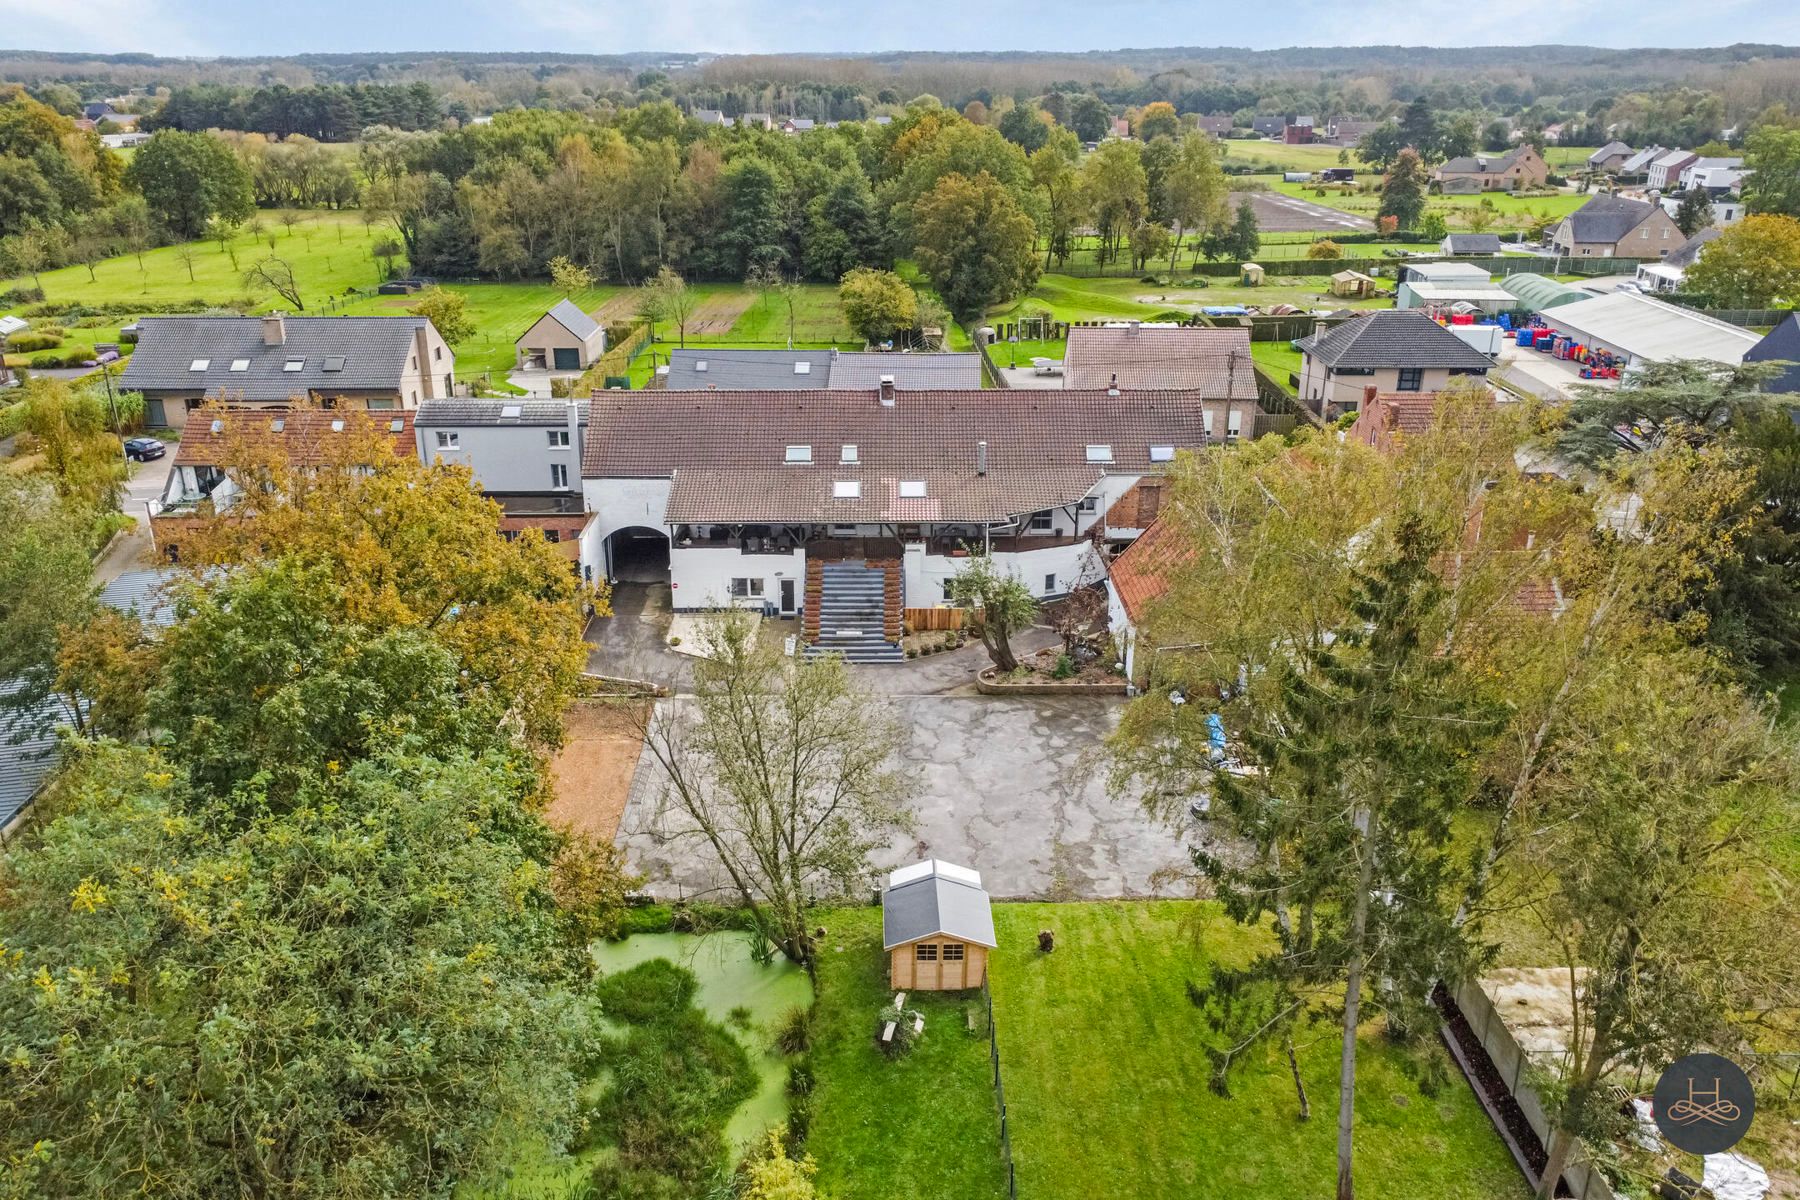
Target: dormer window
(200,364)
(1099,454)
(847,453)
(847,489)
(798,454)
(912,489)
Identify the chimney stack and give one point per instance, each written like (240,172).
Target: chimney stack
(274,330)
(887,391)
(981,458)
(1369,394)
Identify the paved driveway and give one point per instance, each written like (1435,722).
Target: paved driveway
(133,551)
(1015,788)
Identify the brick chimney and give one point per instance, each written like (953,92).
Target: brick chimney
(1369,394)
(274,329)
(887,391)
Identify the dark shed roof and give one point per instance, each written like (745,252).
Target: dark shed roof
(1782,343)
(935,898)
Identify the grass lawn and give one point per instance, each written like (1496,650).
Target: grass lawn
(500,311)
(1278,359)
(922,1126)
(1070,298)
(1512,210)
(328,251)
(1274,156)
(1106,1077)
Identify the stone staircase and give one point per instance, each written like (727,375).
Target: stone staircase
(853,609)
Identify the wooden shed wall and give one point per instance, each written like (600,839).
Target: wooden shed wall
(906,973)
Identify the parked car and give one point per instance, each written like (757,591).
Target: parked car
(143,449)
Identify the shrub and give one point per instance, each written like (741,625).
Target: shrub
(675,641)
(647,992)
(22,295)
(1064,669)
(1324,248)
(801,1080)
(905,1035)
(25,343)
(794,1034)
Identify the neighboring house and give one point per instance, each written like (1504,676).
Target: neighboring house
(1268,127)
(28,754)
(200,482)
(563,339)
(1665,173)
(123,141)
(1553,133)
(1521,167)
(1297,134)
(1727,209)
(1349,133)
(1610,159)
(1121,128)
(1716,176)
(797,125)
(1135,580)
(1471,244)
(1391,350)
(278,361)
(760,120)
(1617,227)
(1666,276)
(790,370)
(525,455)
(712,116)
(1781,344)
(937,926)
(1386,418)
(1639,162)
(1217,126)
(1214,362)
(846,507)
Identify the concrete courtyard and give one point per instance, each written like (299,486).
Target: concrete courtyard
(1015,788)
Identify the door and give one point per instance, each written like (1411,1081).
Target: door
(787,597)
(568,358)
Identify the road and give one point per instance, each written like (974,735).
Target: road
(133,551)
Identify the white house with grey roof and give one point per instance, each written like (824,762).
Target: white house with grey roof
(1393,350)
(841,508)
(277,361)
(937,926)
(700,370)
(563,339)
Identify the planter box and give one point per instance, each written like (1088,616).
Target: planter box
(988,684)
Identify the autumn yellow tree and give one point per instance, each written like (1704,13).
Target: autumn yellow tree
(1753,264)
(410,545)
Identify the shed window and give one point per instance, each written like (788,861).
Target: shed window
(799,454)
(912,489)
(953,951)
(925,952)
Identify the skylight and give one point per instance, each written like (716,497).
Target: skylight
(334,362)
(1162,453)
(847,453)
(277,425)
(337,427)
(912,489)
(218,426)
(240,364)
(847,489)
(512,410)
(803,368)
(700,364)
(200,364)
(294,364)
(799,454)
(396,425)
(1099,454)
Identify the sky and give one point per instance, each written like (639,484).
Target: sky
(248,27)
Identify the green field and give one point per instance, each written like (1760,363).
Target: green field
(1069,298)
(922,1126)
(1512,210)
(1275,156)
(1104,1062)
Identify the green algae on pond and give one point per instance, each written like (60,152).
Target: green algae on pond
(729,978)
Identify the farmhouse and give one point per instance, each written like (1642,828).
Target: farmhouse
(794,370)
(1391,351)
(1520,168)
(1616,227)
(846,507)
(563,339)
(937,927)
(1215,362)
(525,455)
(277,361)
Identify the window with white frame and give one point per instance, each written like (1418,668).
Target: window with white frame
(744,588)
(912,489)
(1089,505)
(559,475)
(847,453)
(846,489)
(1042,522)
(559,438)
(294,364)
(1050,584)
(1099,454)
(798,454)
(1234,424)
(448,440)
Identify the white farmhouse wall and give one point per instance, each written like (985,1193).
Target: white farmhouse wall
(701,576)
(624,503)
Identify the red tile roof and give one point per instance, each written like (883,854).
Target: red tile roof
(1214,362)
(302,432)
(1141,574)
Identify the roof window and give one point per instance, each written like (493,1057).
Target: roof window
(333,362)
(803,368)
(798,454)
(512,410)
(200,364)
(396,425)
(294,364)
(1162,453)
(912,489)
(337,426)
(1099,454)
(847,489)
(240,364)
(277,425)
(218,426)
(848,453)
(700,365)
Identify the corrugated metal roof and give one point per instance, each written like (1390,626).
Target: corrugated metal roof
(940,901)
(27,750)
(1651,330)
(142,592)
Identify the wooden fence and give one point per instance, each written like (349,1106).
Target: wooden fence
(933,620)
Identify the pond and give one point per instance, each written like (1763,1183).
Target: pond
(730,978)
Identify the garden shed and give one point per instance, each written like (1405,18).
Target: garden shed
(1251,274)
(937,926)
(1352,284)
